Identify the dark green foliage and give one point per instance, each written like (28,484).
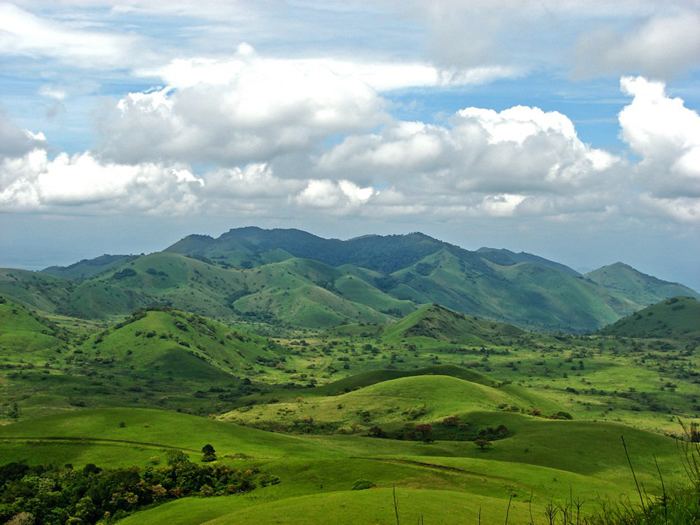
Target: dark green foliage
(208,453)
(483,444)
(57,495)
(362,484)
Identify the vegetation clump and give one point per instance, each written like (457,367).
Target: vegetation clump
(52,495)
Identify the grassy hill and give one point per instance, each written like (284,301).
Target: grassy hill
(633,285)
(24,334)
(445,482)
(35,289)
(88,267)
(675,318)
(441,324)
(180,345)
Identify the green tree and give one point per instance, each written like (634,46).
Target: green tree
(208,453)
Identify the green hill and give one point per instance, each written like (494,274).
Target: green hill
(88,267)
(391,404)
(45,292)
(675,318)
(179,344)
(633,285)
(291,277)
(24,334)
(439,323)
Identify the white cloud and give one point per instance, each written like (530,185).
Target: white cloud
(380,76)
(666,134)
(53,93)
(520,149)
(35,182)
(253,181)
(334,195)
(659,46)
(250,112)
(251,108)
(25,34)
(15,141)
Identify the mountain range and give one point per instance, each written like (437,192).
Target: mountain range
(294,278)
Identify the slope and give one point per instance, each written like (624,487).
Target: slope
(675,318)
(88,267)
(439,323)
(179,344)
(628,283)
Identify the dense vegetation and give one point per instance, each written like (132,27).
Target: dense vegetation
(56,496)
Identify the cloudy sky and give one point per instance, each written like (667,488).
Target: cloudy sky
(565,128)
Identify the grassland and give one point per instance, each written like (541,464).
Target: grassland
(305,405)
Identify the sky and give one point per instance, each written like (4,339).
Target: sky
(563,128)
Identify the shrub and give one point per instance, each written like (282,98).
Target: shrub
(362,484)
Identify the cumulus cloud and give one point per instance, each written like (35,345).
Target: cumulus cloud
(659,46)
(15,141)
(25,34)
(250,108)
(520,149)
(663,131)
(337,195)
(666,135)
(35,182)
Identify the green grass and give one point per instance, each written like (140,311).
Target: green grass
(444,481)
(675,318)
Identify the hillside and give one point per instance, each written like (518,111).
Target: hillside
(439,323)
(88,267)
(633,285)
(294,278)
(179,344)
(675,318)
(24,334)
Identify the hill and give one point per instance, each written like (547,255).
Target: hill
(24,335)
(179,345)
(88,267)
(439,323)
(294,278)
(675,318)
(633,285)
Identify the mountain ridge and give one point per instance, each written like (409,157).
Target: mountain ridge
(297,278)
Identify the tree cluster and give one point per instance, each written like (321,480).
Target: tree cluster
(52,495)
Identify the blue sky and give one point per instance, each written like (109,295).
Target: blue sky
(567,129)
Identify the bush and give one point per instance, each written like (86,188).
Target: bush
(362,484)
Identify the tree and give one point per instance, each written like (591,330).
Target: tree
(425,432)
(483,444)
(208,453)
(14,411)
(376,432)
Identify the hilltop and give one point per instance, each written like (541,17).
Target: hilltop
(442,324)
(675,318)
(636,286)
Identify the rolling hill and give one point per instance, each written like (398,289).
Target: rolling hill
(441,324)
(675,318)
(179,344)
